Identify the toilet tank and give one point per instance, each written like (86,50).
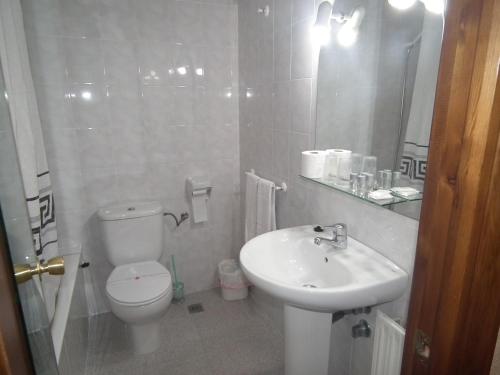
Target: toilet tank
(132,231)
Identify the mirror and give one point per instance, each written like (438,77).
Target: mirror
(376,88)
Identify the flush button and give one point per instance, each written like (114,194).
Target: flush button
(131,209)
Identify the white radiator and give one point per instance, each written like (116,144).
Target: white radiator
(388,346)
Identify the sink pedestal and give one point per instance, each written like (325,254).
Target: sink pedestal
(307,341)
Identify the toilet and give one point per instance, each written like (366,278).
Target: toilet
(139,289)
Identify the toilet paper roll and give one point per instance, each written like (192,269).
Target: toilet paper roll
(313,163)
(199,202)
(339,152)
(332,160)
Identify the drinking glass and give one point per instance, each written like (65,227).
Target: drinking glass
(357,162)
(386,179)
(343,171)
(361,185)
(380,179)
(396,179)
(353,182)
(369,165)
(370,181)
(330,166)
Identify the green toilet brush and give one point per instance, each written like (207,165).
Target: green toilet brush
(178,285)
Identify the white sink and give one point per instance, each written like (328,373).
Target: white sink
(314,281)
(288,265)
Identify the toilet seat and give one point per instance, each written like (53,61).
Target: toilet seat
(138,284)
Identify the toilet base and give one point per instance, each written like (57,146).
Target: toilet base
(145,337)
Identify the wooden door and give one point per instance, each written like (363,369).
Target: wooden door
(15,357)
(455,299)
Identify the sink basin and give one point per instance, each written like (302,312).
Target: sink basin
(315,281)
(288,265)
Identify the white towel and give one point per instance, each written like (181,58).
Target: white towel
(266,213)
(251,206)
(260,212)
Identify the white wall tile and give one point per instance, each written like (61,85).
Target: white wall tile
(156,65)
(282,55)
(95,148)
(121,65)
(69,189)
(62,148)
(54,107)
(218,24)
(302,50)
(283,16)
(280,154)
(100,187)
(79,18)
(124,108)
(155,19)
(88,106)
(48,62)
(281,106)
(302,9)
(300,92)
(187,22)
(184,106)
(42,17)
(84,62)
(117,19)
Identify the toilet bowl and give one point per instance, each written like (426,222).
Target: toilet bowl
(139,289)
(139,295)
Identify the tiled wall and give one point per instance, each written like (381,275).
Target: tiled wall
(135,96)
(277,108)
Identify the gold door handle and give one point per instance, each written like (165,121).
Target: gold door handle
(25,272)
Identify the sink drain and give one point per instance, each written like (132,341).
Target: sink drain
(309,286)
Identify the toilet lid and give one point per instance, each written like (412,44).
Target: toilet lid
(138,283)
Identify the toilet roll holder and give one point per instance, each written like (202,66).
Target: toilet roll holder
(199,189)
(282,187)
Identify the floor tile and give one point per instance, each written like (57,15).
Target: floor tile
(226,338)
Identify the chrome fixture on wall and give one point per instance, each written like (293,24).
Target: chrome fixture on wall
(348,33)
(265,11)
(279,187)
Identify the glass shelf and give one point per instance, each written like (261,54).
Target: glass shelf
(396,199)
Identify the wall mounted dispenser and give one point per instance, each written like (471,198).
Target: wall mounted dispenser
(198,190)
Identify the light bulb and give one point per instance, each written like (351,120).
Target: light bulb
(181,70)
(434,6)
(320,35)
(86,95)
(348,33)
(402,4)
(347,36)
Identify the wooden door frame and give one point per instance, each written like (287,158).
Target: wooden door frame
(455,298)
(15,355)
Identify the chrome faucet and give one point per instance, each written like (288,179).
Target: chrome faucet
(339,235)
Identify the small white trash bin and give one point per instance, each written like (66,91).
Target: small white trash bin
(232,281)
